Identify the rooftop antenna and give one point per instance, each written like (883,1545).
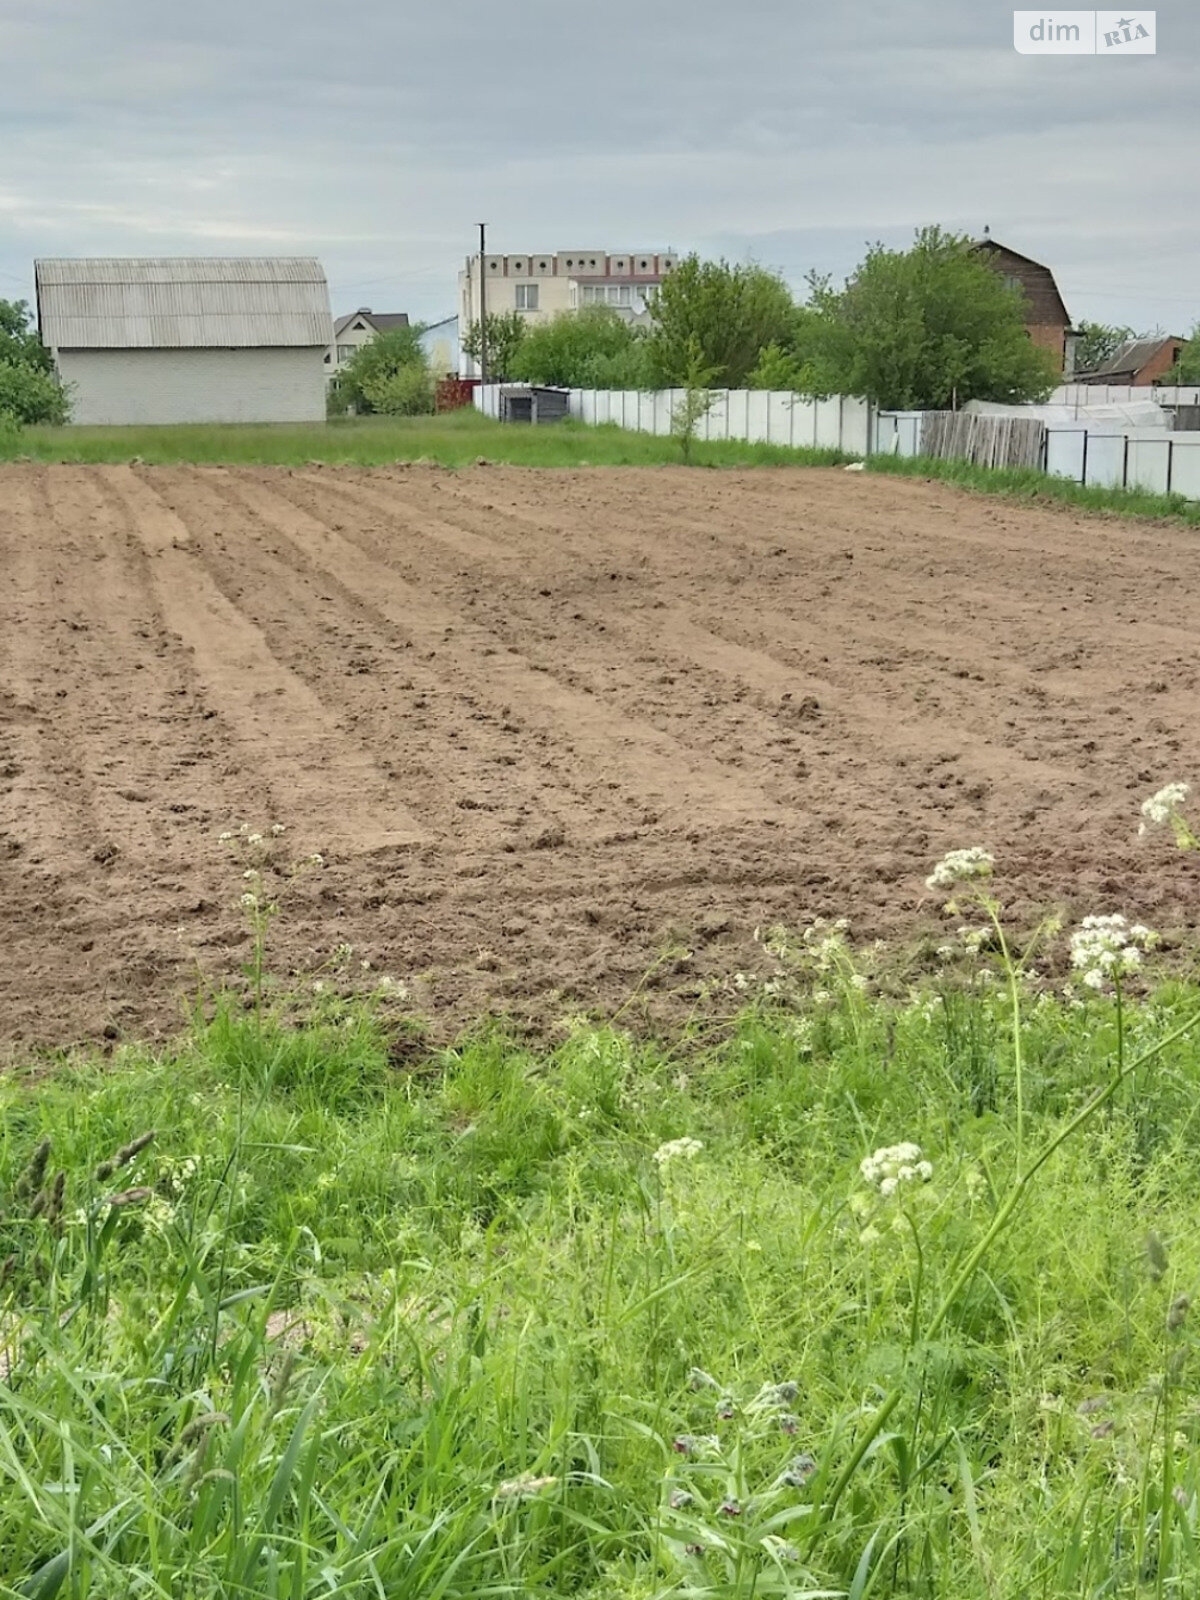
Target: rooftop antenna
(987,232)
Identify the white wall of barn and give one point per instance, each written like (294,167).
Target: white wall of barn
(163,386)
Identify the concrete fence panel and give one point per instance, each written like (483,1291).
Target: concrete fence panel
(1185,465)
(758,415)
(1066,452)
(1105,460)
(1149,464)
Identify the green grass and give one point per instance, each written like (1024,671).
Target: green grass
(455,439)
(359,1311)
(1040,488)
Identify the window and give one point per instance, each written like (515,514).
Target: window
(360,327)
(610,294)
(345,351)
(527,296)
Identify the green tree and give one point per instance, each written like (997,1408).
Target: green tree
(19,341)
(29,388)
(505,334)
(373,365)
(730,313)
(407,391)
(1098,342)
(1187,368)
(778,368)
(595,348)
(696,401)
(924,329)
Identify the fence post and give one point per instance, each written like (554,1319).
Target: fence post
(1125,465)
(1083,473)
(1170,462)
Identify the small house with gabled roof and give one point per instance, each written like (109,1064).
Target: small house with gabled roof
(187,338)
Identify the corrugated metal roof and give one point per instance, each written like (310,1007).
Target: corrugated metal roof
(183,302)
(1133,355)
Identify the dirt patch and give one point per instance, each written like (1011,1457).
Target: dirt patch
(543,726)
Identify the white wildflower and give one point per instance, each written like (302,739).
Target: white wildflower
(870,1235)
(894,1165)
(1104,949)
(249,902)
(276,829)
(254,838)
(958,865)
(1164,806)
(519,1488)
(224,838)
(677,1150)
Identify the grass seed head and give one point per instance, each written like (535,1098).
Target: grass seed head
(128,1197)
(32,1178)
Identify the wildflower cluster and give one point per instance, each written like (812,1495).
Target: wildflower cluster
(523,1487)
(893,1165)
(1165,808)
(1104,949)
(677,1150)
(959,865)
(716,1507)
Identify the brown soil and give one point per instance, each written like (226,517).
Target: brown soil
(544,725)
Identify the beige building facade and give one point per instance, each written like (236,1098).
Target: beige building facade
(539,287)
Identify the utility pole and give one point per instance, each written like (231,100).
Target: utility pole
(483,349)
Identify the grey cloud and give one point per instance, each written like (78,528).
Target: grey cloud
(376,136)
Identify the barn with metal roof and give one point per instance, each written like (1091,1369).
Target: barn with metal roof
(188,339)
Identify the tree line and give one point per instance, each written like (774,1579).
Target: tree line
(926,328)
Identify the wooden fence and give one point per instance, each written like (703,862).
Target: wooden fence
(986,441)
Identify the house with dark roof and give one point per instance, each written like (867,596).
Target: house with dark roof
(1046,318)
(1138,361)
(358,328)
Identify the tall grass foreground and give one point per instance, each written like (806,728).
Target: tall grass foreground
(873,1297)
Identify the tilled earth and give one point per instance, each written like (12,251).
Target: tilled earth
(545,726)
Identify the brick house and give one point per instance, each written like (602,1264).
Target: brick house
(1046,319)
(1138,361)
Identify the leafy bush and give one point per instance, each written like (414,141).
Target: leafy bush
(595,348)
(31,394)
(505,335)
(923,329)
(369,372)
(19,342)
(407,392)
(29,389)
(731,312)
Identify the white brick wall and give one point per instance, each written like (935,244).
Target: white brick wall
(159,386)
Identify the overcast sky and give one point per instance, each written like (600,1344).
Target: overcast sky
(376,136)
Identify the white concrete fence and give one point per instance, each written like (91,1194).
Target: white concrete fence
(1104,457)
(765,416)
(1139,458)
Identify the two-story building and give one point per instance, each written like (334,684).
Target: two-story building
(538,287)
(1046,319)
(357,328)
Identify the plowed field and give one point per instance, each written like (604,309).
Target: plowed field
(542,725)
